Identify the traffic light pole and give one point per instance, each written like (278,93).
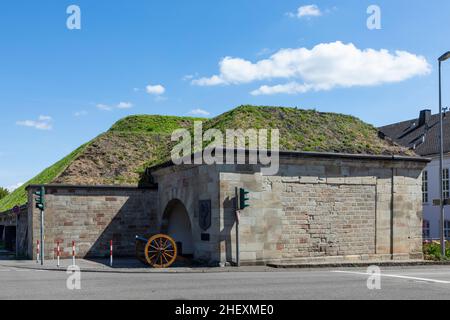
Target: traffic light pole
(241,203)
(42,238)
(40,204)
(238,253)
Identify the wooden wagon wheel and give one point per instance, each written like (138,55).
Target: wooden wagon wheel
(161,251)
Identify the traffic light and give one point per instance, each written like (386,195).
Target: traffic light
(243,199)
(40,199)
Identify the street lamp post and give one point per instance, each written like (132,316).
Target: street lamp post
(443,58)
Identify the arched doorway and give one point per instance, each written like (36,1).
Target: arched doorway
(176,223)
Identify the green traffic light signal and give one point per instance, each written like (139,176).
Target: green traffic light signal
(40,199)
(243,199)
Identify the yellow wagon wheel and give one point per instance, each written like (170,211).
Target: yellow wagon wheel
(161,251)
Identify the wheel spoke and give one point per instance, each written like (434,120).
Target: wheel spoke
(168,255)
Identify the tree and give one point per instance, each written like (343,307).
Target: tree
(3,192)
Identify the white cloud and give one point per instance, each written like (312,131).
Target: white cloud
(156,90)
(264,52)
(80,113)
(104,107)
(213,81)
(43,123)
(161,98)
(189,77)
(199,112)
(324,67)
(288,88)
(120,105)
(14,187)
(45,118)
(308,11)
(124,105)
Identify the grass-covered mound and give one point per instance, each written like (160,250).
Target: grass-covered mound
(121,155)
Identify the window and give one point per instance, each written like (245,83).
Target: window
(447,228)
(425,187)
(446,183)
(426,229)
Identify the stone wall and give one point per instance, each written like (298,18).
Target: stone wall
(330,220)
(318,210)
(22,233)
(92,217)
(6,219)
(190,185)
(13,228)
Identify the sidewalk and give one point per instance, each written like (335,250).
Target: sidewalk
(133,266)
(123,266)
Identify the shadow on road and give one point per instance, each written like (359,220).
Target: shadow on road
(131,263)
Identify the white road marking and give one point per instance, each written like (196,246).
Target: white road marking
(395,276)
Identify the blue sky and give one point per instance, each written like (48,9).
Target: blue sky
(61,81)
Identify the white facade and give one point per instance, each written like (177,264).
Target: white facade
(431,214)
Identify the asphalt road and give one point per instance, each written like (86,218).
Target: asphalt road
(396,283)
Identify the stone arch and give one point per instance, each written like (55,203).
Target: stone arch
(177,224)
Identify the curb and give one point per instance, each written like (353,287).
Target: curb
(360,264)
(142,271)
(268,268)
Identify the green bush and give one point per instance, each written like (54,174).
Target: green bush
(3,192)
(432,251)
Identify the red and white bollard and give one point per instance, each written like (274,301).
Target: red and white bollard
(73,253)
(38,251)
(58,254)
(111,253)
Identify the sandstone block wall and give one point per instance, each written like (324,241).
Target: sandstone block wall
(92,217)
(318,210)
(14,227)
(190,185)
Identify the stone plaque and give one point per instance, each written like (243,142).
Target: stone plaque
(205,214)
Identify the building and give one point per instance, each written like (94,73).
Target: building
(320,207)
(422,136)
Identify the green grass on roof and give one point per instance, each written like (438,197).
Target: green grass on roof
(19,196)
(153,124)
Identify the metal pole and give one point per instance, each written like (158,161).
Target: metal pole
(238,253)
(73,254)
(58,254)
(111,253)
(42,238)
(441,166)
